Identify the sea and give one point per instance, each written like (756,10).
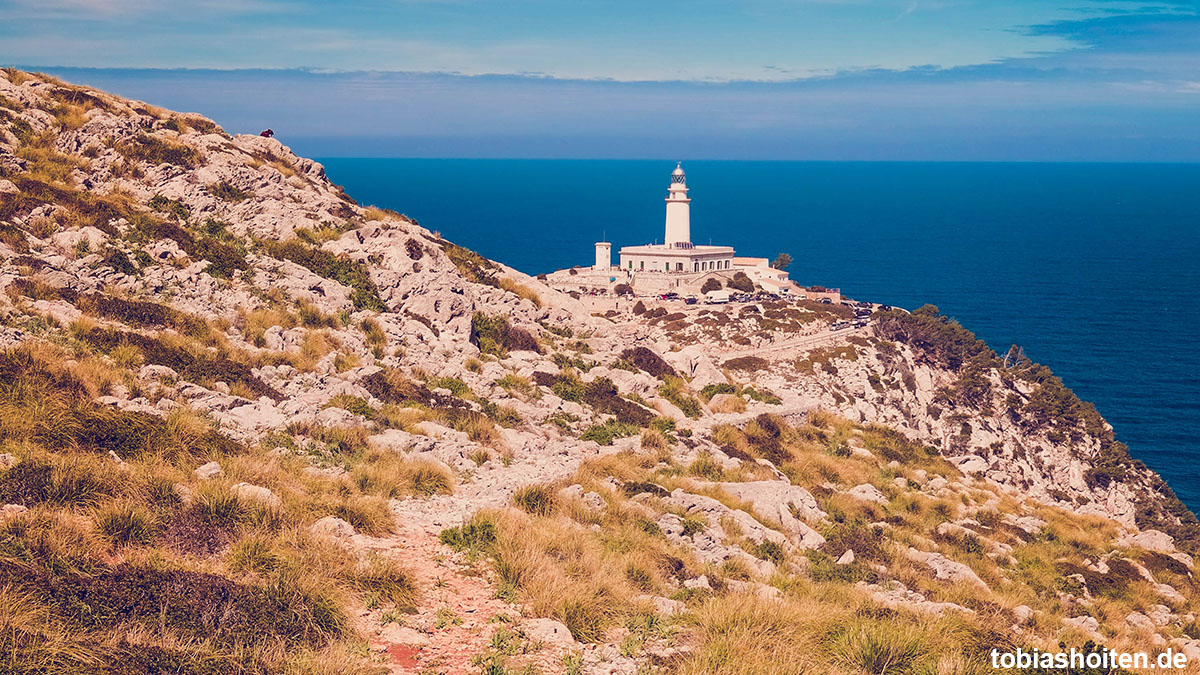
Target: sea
(1093,269)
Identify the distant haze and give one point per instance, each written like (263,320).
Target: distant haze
(1081,80)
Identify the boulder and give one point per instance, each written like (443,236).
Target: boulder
(9,510)
(896,595)
(664,606)
(867,493)
(209,471)
(1023,614)
(7,460)
(257,494)
(332,526)
(847,558)
(1139,621)
(548,631)
(1086,624)
(1149,540)
(790,506)
(945,569)
(970,464)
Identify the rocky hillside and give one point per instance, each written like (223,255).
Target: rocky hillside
(248,425)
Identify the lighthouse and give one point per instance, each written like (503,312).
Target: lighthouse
(677,253)
(679,225)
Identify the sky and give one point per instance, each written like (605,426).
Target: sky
(1038,80)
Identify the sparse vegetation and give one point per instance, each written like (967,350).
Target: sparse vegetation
(340,268)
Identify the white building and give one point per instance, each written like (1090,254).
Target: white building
(677,253)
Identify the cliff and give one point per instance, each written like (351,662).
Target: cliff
(247,424)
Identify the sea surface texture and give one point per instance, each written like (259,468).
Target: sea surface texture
(1091,268)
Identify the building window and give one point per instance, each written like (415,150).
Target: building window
(642,265)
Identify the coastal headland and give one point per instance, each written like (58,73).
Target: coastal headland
(250,425)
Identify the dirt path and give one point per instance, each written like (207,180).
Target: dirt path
(800,342)
(456,613)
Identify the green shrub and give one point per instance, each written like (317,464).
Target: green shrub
(719,388)
(752,364)
(125,523)
(493,335)
(172,207)
(741,282)
(648,361)
(354,404)
(340,268)
(471,265)
(606,433)
(770,550)
(477,535)
(534,499)
(672,389)
(452,384)
(158,151)
(227,192)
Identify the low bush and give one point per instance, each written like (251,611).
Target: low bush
(494,335)
(126,523)
(195,605)
(647,361)
(606,433)
(752,364)
(537,500)
(340,268)
(227,192)
(154,150)
(477,535)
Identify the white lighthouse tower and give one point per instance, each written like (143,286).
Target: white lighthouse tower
(679,225)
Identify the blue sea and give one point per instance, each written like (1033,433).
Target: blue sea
(1092,268)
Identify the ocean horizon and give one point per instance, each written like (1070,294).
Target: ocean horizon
(1090,267)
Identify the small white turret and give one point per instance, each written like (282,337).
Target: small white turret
(603,255)
(679,226)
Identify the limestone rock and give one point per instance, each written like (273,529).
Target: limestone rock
(1087,625)
(1023,614)
(548,631)
(9,510)
(257,494)
(868,493)
(970,464)
(945,569)
(1150,540)
(209,471)
(896,595)
(1139,621)
(7,460)
(790,506)
(332,526)
(847,558)
(664,606)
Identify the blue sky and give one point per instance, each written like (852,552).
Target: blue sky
(743,79)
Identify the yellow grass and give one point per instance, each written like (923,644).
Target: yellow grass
(521,291)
